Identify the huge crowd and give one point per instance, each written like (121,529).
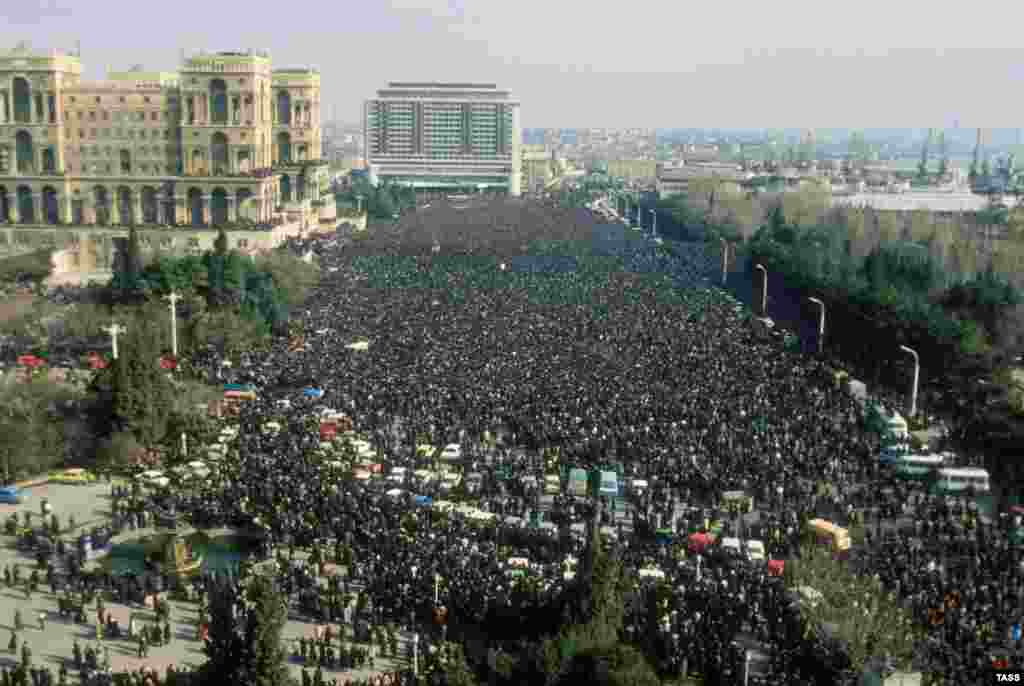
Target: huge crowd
(619,354)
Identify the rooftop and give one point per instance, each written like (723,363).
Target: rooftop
(435,84)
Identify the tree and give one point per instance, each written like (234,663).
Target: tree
(220,246)
(922,166)
(943,155)
(244,642)
(31,426)
(133,394)
(866,620)
(975,170)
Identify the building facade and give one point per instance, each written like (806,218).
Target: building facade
(225,141)
(444,136)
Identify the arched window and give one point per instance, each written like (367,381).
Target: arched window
(51,208)
(243,209)
(5,204)
(219,153)
(124,206)
(24,152)
(284,147)
(195,204)
(286,188)
(49,163)
(126,161)
(22,101)
(26,207)
(218,102)
(284,108)
(218,207)
(149,205)
(101,202)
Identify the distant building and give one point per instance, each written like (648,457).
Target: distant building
(674,180)
(444,136)
(633,170)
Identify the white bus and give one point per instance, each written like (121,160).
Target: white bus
(953,481)
(917,466)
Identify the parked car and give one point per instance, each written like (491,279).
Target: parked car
(12,495)
(72,476)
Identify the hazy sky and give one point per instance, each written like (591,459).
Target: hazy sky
(605,64)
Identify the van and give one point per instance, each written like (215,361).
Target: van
(552,484)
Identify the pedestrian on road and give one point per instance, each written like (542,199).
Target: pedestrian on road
(12,645)
(19,624)
(42,620)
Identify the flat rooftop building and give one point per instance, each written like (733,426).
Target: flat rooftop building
(444,136)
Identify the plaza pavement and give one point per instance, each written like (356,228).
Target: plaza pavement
(51,646)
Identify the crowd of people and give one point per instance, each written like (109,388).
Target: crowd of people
(618,354)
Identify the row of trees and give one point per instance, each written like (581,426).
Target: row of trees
(937,284)
(382,201)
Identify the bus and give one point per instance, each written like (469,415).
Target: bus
(578,482)
(608,485)
(825,532)
(917,466)
(956,481)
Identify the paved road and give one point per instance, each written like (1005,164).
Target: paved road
(52,645)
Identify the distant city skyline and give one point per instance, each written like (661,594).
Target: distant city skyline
(577,65)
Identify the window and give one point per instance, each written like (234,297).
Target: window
(92,133)
(80,116)
(155,117)
(81,132)
(193,242)
(92,115)
(121,98)
(98,99)
(72,98)
(106,115)
(243,242)
(145,98)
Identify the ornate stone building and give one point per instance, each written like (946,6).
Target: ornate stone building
(225,141)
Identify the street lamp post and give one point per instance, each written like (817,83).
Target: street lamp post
(821,323)
(114,330)
(764,289)
(173,299)
(913,386)
(725,260)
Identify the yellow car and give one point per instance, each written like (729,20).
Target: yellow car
(73,476)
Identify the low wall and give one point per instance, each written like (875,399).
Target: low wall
(82,254)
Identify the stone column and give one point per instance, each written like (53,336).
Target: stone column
(137,207)
(181,210)
(115,210)
(65,209)
(232,209)
(13,212)
(206,210)
(3,107)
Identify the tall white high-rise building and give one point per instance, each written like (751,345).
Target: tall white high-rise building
(444,136)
